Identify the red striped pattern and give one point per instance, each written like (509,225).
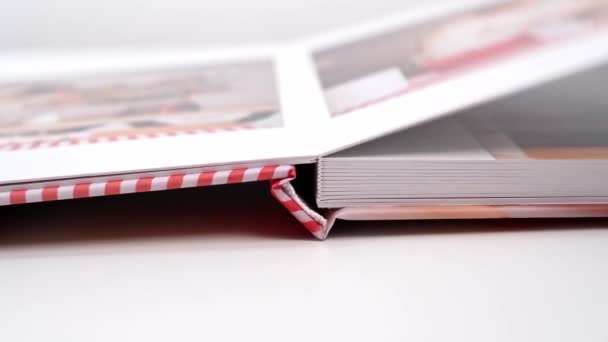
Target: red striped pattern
(280,176)
(31,145)
(283,191)
(116,186)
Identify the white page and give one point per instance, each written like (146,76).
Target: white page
(305,127)
(451,56)
(220,108)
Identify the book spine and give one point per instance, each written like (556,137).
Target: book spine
(280,177)
(283,191)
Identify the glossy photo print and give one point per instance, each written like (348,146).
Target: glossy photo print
(191,99)
(370,70)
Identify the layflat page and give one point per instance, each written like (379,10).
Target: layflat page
(95,115)
(395,74)
(71,117)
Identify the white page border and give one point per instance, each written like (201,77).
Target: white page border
(262,146)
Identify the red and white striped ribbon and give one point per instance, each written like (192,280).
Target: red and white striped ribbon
(284,192)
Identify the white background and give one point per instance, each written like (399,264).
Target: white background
(60,24)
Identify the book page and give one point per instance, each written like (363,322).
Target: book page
(562,120)
(102,115)
(74,116)
(406,59)
(419,66)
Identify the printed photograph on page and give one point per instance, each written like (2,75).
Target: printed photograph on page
(364,72)
(97,108)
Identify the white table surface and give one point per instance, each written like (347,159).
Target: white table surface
(179,266)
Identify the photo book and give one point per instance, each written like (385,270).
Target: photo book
(463,110)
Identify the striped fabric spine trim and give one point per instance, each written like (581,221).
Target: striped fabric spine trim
(115,186)
(283,191)
(31,145)
(279,175)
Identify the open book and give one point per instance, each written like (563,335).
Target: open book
(469,109)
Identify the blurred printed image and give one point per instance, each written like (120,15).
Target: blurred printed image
(207,98)
(369,70)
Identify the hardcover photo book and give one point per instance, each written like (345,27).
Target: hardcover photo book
(466,110)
